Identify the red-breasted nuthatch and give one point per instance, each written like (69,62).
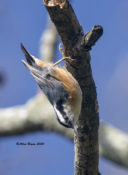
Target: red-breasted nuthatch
(60,87)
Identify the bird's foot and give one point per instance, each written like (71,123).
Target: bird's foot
(68,59)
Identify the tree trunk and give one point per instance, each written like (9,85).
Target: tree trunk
(77,45)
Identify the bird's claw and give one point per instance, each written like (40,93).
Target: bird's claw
(68,59)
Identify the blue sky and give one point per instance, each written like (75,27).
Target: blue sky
(24,21)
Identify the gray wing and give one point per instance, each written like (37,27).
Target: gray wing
(55,92)
(53,88)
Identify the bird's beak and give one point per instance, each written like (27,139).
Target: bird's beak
(29,57)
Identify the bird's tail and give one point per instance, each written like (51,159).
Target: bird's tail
(30,59)
(39,73)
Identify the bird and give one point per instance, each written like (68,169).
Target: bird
(59,86)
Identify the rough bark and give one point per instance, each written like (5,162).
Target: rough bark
(77,45)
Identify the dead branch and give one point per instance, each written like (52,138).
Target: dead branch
(48,42)
(77,45)
(33,116)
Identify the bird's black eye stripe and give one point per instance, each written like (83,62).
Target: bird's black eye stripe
(60,107)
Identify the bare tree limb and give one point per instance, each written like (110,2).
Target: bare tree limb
(33,116)
(48,42)
(114,144)
(92,37)
(76,46)
(37,114)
